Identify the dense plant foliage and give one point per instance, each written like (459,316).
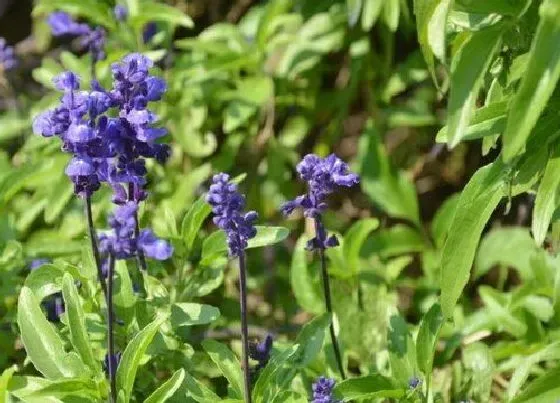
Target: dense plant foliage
(281,201)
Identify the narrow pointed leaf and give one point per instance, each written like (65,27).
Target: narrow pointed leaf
(168,388)
(547,199)
(228,364)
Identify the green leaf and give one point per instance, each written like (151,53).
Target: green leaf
(367,387)
(505,7)
(266,377)
(192,314)
(354,240)
(478,358)
(370,13)
(424,10)
(477,202)
(168,388)
(543,389)
(200,392)
(499,312)
(427,338)
(12,126)
(305,288)
(543,71)
(96,11)
(215,245)
(508,246)
(130,361)
(76,323)
(4,381)
(42,343)
(228,364)
(66,389)
(193,221)
(391,13)
(547,199)
(466,78)
(402,351)
(354,7)
(159,12)
(310,339)
(124,298)
(388,189)
(396,240)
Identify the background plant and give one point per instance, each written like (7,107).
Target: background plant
(445,283)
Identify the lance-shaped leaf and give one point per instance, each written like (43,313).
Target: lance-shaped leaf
(547,199)
(467,71)
(537,85)
(168,388)
(476,203)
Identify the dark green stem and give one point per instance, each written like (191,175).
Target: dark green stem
(94,248)
(244,331)
(110,336)
(321,237)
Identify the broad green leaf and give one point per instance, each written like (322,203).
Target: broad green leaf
(466,79)
(487,121)
(42,343)
(191,314)
(396,240)
(76,323)
(66,390)
(167,389)
(354,240)
(368,387)
(543,389)
(508,246)
(310,339)
(159,12)
(215,245)
(97,11)
(547,199)
(477,202)
(193,221)
(387,188)
(304,286)
(228,364)
(478,358)
(130,361)
(47,279)
(370,12)
(427,338)
(402,351)
(4,381)
(543,72)
(523,370)
(200,392)
(266,377)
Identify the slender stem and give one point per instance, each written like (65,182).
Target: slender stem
(95,250)
(110,336)
(141,257)
(244,331)
(327,290)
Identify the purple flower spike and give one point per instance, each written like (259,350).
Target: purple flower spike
(62,24)
(322,175)
(121,12)
(261,352)
(322,390)
(66,81)
(7,56)
(153,247)
(227,205)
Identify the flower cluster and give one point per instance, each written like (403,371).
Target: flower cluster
(322,390)
(123,244)
(322,176)
(227,205)
(92,39)
(108,149)
(7,57)
(260,352)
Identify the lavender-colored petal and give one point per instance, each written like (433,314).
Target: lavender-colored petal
(79,133)
(80,166)
(154,247)
(156,87)
(66,81)
(120,12)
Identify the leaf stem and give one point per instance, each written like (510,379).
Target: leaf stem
(111,359)
(320,233)
(244,331)
(94,248)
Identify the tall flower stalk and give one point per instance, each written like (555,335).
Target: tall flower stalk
(227,205)
(112,149)
(322,176)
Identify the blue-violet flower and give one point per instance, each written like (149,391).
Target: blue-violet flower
(227,205)
(260,352)
(121,12)
(7,56)
(322,390)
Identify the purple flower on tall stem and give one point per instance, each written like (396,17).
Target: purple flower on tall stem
(228,205)
(323,176)
(260,352)
(322,390)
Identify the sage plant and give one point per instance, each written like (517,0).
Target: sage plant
(112,148)
(227,205)
(322,176)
